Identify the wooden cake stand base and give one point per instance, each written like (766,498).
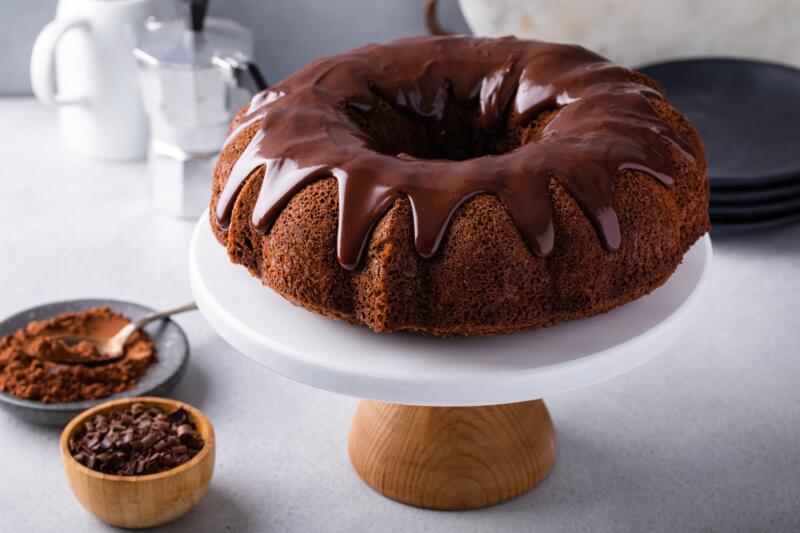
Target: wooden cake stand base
(452,457)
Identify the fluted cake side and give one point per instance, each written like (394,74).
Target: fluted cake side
(489,272)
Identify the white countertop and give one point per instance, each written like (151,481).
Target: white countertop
(706,436)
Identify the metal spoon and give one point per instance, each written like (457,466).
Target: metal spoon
(113,349)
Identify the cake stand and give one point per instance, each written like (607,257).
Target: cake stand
(447,423)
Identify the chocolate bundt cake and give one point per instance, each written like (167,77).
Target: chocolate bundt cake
(461,186)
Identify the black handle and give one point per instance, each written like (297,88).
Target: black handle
(249,71)
(197,14)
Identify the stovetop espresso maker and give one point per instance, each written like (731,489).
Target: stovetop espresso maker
(195,73)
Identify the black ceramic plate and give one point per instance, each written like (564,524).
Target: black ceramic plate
(727,228)
(747,112)
(755,210)
(172,351)
(764,195)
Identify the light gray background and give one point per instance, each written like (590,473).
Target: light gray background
(289,33)
(703,438)
(706,437)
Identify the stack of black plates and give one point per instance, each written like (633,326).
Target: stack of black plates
(748,114)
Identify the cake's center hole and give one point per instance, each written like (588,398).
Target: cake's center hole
(454,134)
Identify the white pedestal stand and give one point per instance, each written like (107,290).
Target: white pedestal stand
(449,423)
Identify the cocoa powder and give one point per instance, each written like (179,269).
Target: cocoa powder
(28,370)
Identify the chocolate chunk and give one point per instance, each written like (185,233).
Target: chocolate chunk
(179,416)
(149,440)
(185,433)
(179,450)
(142,440)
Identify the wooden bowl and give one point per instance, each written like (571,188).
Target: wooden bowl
(141,501)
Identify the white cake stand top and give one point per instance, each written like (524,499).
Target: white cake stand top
(417,370)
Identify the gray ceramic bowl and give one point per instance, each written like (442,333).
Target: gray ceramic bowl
(172,350)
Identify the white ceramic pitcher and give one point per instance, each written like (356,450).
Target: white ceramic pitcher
(83,63)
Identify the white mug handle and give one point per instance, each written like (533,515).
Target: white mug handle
(43,61)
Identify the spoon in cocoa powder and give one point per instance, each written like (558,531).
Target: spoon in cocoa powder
(113,349)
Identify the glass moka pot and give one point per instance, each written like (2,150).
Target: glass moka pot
(195,73)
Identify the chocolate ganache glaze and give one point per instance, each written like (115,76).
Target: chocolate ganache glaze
(603,124)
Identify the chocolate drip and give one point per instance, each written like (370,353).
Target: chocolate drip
(603,124)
